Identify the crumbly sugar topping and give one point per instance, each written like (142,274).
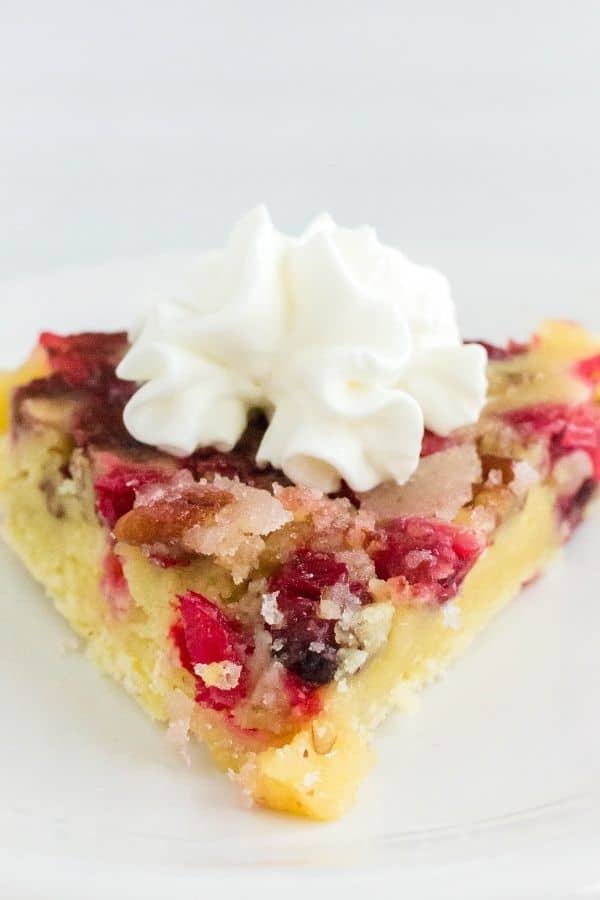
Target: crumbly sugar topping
(441,485)
(236,537)
(269,609)
(224,675)
(350,660)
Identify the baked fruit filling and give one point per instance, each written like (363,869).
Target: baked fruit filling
(274,623)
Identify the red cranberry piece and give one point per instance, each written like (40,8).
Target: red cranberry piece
(307,573)
(52,388)
(99,422)
(235,464)
(207,635)
(496,353)
(299,584)
(108,345)
(310,666)
(303,697)
(582,432)
(589,369)
(177,635)
(164,561)
(565,428)
(571,509)
(86,363)
(230,465)
(114,585)
(543,419)
(346,493)
(239,462)
(433,443)
(434,557)
(115,491)
(86,359)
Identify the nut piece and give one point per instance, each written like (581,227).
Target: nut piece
(224,675)
(166,520)
(323,737)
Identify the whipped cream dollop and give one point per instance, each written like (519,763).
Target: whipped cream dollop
(350,348)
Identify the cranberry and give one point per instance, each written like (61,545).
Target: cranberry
(311,666)
(346,493)
(307,573)
(204,634)
(571,508)
(115,491)
(207,462)
(299,584)
(114,574)
(543,419)
(589,369)
(302,697)
(235,464)
(54,387)
(434,557)
(164,561)
(498,354)
(433,443)
(240,462)
(564,428)
(85,360)
(177,635)
(114,584)
(85,364)
(99,422)
(207,635)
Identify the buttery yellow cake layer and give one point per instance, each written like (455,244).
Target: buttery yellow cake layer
(124,605)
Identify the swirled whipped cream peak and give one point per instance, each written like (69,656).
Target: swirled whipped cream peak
(350,349)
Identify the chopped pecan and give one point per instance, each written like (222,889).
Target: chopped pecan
(166,520)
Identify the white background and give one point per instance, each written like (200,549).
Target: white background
(133,128)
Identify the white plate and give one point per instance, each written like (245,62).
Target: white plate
(491,789)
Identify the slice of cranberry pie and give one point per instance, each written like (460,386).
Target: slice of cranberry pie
(274,623)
